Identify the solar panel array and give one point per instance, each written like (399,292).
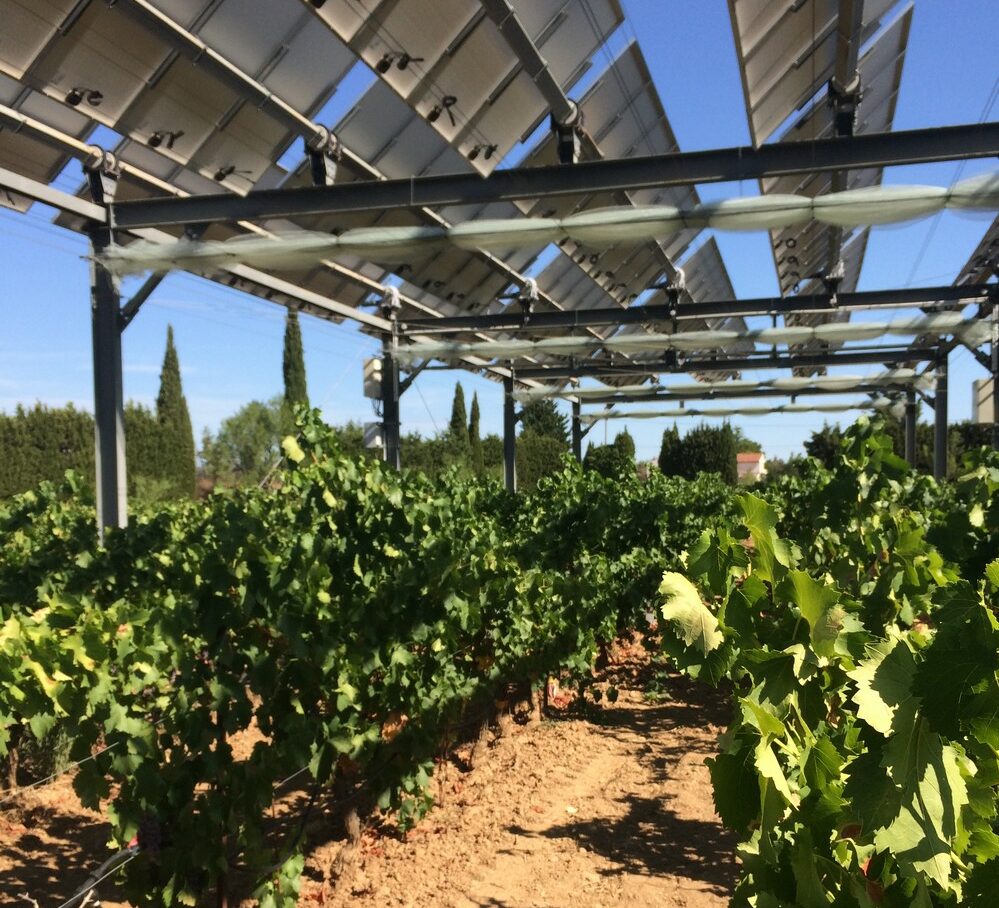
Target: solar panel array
(201,95)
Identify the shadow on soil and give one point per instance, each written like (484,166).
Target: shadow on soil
(651,838)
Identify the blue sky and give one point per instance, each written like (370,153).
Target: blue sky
(230,344)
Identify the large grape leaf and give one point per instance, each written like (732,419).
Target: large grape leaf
(820,607)
(736,789)
(772,556)
(684,609)
(932,793)
(884,685)
(957,679)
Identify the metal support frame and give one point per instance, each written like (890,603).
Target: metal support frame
(109,412)
(106,326)
(940,417)
(911,414)
(995,377)
(917,146)
(509,436)
(390,405)
(391,391)
(515,319)
(577,432)
(694,394)
(324,153)
(765,360)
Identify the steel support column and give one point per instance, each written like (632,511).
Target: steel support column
(109,414)
(910,427)
(577,433)
(940,418)
(995,377)
(509,436)
(390,405)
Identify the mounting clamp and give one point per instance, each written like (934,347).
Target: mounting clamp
(391,304)
(568,133)
(844,100)
(324,151)
(103,170)
(527,298)
(832,280)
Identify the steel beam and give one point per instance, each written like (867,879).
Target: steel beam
(940,418)
(523,47)
(109,414)
(509,436)
(695,394)
(771,305)
(577,433)
(916,146)
(910,427)
(867,356)
(40,192)
(995,377)
(391,426)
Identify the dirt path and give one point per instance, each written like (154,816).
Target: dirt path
(614,810)
(609,810)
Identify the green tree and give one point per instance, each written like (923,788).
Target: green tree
(537,455)
(177,457)
(615,460)
(457,428)
(42,443)
(247,444)
(144,451)
(293,363)
(543,418)
(474,439)
(669,451)
(744,445)
(704,449)
(624,443)
(492,454)
(824,444)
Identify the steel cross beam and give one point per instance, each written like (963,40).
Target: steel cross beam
(866,356)
(916,146)
(516,319)
(695,395)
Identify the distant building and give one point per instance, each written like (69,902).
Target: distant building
(981,400)
(751,465)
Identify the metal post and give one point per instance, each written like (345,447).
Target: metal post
(390,404)
(940,419)
(109,414)
(995,377)
(509,435)
(910,428)
(577,433)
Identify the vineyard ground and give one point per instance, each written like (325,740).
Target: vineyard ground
(610,809)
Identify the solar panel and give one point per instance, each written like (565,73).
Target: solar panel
(804,250)
(448,60)
(983,263)
(27,155)
(787,52)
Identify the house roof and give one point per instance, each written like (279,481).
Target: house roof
(749,457)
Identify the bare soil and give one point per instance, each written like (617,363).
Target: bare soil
(609,806)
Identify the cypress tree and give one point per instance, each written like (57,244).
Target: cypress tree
(543,418)
(474,440)
(293,365)
(177,449)
(458,426)
(669,452)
